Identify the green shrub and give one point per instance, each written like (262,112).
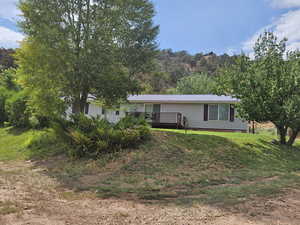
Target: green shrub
(40,122)
(92,137)
(130,138)
(144,132)
(81,144)
(102,146)
(3,115)
(18,114)
(130,122)
(83,123)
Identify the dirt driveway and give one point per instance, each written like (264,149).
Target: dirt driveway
(28,196)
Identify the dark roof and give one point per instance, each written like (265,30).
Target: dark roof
(181,99)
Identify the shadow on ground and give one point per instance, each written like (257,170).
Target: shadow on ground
(182,169)
(16,131)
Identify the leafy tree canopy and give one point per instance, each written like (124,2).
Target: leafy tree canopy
(268,86)
(82,47)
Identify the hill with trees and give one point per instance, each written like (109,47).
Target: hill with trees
(172,67)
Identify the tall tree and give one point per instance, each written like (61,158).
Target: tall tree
(79,47)
(268,86)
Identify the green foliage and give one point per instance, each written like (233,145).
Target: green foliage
(8,80)
(171,67)
(75,48)
(130,121)
(92,137)
(196,84)
(268,86)
(13,101)
(6,59)
(3,99)
(39,122)
(156,82)
(18,113)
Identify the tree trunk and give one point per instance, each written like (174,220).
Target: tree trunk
(80,103)
(282,133)
(83,101)
(293,137)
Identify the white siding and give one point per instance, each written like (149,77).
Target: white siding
(110,115)
(95,110)
(193,112)
(168,118)
(195,117)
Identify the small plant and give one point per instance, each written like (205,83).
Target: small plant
(92,137)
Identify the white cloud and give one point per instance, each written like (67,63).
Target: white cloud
(286,26)
(9,10)
(9,38)
(285,3)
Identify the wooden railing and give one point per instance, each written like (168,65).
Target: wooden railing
(163,118)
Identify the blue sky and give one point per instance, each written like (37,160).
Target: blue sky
(221,26)
(214,25)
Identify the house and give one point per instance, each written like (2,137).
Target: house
(203,112)
(206,112)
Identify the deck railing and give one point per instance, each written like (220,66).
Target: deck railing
(162,118)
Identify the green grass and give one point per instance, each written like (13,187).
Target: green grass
(196,167)
(17,144)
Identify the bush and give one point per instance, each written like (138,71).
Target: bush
(92,137)
(130,122)
(3,115)
(40,122)
(4,95)
(18,114)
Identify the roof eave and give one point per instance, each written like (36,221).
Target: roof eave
(184,102)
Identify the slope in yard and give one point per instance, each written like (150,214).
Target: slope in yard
(225,176)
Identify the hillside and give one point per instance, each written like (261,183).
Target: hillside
(182,63)
(231,171)
(169,67)
(173,66)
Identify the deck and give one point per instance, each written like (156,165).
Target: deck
(163,119)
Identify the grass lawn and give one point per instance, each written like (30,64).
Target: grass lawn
(19,144)
(197,167)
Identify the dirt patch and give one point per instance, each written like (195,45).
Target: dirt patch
(36,199)
(266,125)
(283,210)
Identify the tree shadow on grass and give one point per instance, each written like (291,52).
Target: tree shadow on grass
(16,131)
(181,169)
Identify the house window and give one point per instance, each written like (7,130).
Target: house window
(219,112)
(103,111)
(213,112)
(148,108)
(117,113)
(223,112)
